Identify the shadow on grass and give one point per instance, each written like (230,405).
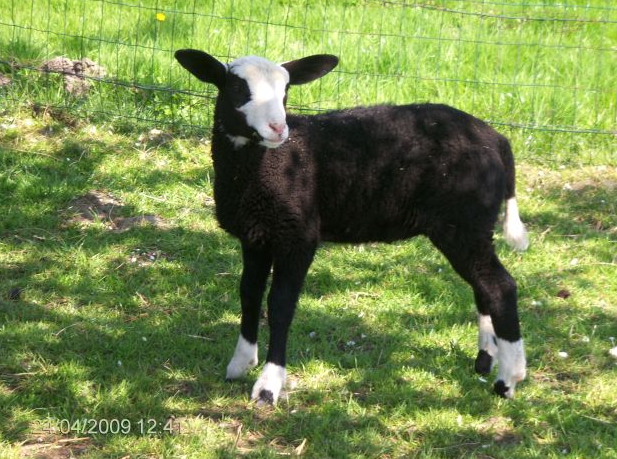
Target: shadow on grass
(150,339)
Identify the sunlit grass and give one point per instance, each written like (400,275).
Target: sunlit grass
(549,66)
(382,348)
(97,322)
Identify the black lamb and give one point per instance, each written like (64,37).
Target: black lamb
(284,183)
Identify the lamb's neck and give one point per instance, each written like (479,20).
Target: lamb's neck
(235,171)
(235,167)
(228,148)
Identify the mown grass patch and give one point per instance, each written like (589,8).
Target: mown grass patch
(138,323)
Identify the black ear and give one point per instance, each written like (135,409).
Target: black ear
(203,66)
(310,68)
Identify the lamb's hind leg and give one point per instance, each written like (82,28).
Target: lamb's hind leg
(495,290)
(256,268)
(496,298)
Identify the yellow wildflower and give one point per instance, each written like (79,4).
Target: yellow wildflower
(160,17)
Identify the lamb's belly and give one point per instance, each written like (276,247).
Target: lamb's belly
(374,230)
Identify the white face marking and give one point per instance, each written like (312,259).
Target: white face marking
(512,364)
(245,358)
(513,228)
(265,111)
(272,379)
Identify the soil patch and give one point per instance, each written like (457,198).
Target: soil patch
(50,448)
(97,205)
(75,73)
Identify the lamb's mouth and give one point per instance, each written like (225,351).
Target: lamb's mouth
(268,143)
(271,144)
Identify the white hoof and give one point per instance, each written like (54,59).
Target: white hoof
(512,366)
(245,358)
(269,385)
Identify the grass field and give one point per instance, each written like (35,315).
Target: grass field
(103,322)
(118,292)
(547,66)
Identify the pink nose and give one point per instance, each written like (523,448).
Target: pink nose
(278,127)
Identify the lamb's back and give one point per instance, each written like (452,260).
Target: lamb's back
(387,172)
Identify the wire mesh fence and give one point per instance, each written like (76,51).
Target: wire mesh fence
(544,72)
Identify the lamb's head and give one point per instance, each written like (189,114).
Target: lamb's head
(253,91)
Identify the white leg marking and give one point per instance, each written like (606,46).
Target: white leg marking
(245,358)
(269,385)
(486,336)
(512,364)
(513,228)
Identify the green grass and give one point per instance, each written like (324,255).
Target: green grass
(559,73)
(99,330)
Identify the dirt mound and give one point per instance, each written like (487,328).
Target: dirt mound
(75,73)
(97,205)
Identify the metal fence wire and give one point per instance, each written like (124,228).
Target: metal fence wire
(543,71)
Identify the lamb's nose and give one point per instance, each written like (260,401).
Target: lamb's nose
(278,127)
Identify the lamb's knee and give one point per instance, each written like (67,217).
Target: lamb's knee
(508,287)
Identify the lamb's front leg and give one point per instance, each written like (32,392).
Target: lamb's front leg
(288,276)
(256,269)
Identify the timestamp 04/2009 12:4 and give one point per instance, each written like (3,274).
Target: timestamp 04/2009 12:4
(88,426)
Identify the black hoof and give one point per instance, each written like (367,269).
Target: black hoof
(500,388)
(265,396)
(483,363)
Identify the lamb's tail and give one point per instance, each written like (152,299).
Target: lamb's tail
(513,228)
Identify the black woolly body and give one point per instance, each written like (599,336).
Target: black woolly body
(365,174)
